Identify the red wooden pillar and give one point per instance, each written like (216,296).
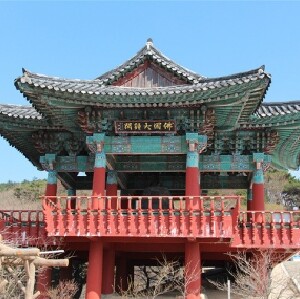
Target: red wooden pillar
(192,180)
(258,190)
(43,282)
(94,272)
(109,255)
(99,178)
(108,271)
(51,189)
(112,188)
(192,270)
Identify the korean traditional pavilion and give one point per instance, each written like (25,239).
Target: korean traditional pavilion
(151,137)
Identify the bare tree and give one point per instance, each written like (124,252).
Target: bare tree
(65,289)
(18,268)
(153,281)
(252,276)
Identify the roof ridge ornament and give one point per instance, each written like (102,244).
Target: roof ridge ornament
(149,43)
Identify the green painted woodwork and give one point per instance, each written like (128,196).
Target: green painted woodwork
(52,177)
(48,161)
(287,152)
(216,115)
(258,176)
(159,163)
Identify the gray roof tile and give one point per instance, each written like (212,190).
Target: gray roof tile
(21,112)
(274,109)
(95,87)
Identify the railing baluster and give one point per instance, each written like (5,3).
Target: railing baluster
(140,218)
(150,212)
(129,213)
(181,216)
(171,216)
(212,217)
(79,222)
(68,214)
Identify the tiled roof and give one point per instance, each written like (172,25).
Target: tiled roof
(149,52)
(93,87)
(21,112)
(278,109)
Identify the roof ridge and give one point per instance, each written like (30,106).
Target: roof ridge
(149,51)
(259,70)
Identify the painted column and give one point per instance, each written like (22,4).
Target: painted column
(51,189)
(196,144)
(109,254)
(108,271)
(258,188)
(96,144)
(94,272)
(99,178)
(72,192)
(192,270)
(112,187)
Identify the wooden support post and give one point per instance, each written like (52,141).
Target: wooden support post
(258,190)
(51,189)
(94,273)
(192,270)
(30,272)
(29,258)
(99,178)
(112,188)
(108,271)
(192,180)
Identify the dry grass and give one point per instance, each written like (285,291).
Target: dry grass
(10,202)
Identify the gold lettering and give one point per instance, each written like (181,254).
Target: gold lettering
(128,126)
(168,126)
(157,126)
(137,126)
(147,126)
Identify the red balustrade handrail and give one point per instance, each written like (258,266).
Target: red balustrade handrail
(269,216)
(162,202)
(22,215)
(172,216)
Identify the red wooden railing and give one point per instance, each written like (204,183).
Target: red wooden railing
(23,227)
(216,217)
(268,229)
(141,216)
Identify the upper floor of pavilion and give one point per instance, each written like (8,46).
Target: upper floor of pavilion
(150,88)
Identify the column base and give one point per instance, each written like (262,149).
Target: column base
(94,273)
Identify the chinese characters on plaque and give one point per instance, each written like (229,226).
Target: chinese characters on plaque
(145,126)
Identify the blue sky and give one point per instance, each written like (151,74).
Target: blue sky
(85,39)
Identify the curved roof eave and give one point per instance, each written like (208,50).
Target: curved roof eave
(91,87)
